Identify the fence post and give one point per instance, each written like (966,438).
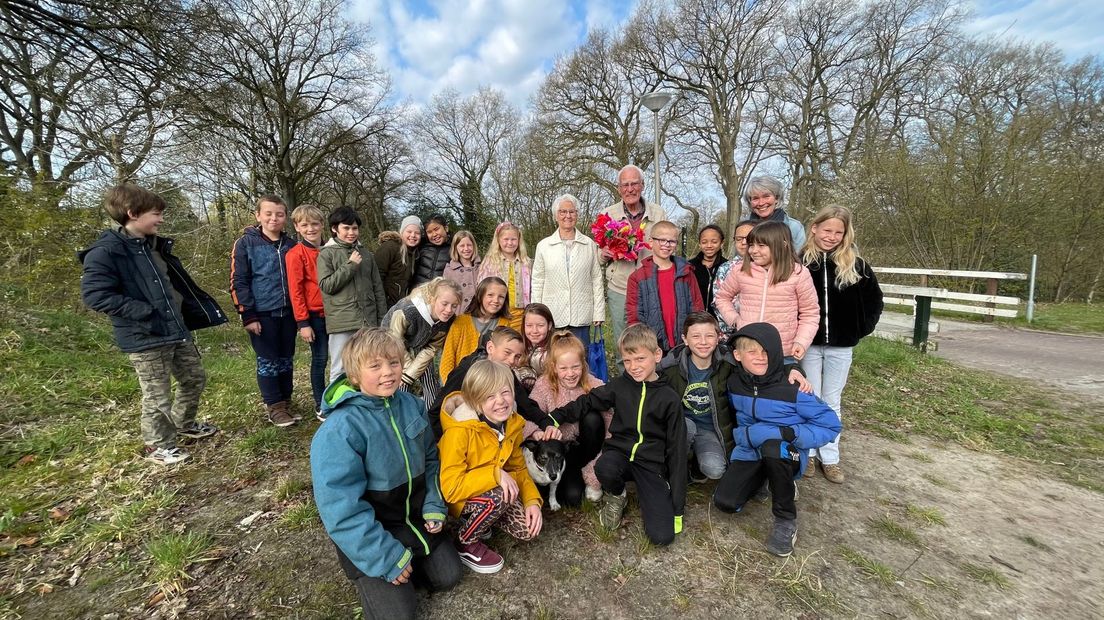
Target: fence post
(990,289)
(1031,290)
(920,326)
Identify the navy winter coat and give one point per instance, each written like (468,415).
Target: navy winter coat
(770,407)
(258,274)
(121,279)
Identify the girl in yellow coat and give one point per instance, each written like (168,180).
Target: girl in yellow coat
(484,479)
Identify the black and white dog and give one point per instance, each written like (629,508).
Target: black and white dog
(546,461)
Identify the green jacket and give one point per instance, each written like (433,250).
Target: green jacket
(352,294)
(675,369)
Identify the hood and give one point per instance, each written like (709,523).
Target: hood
(334,243)
(455,412)
(423,308)
(255,231)
(388,236)
(112,240)
(767,336)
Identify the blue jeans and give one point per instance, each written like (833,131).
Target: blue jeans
(320,356)
(582,333)
(707,448)
(827,369)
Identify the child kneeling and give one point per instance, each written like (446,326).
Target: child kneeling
(375,470)
(776,426)
(484,478)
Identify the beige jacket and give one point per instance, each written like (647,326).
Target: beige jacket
(617,272)
(567,278)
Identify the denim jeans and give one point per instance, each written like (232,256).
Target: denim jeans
(320,356)
(582,333)
(707,448)
(827,369)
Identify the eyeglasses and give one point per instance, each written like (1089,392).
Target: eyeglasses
(566,212)
(665,241)
(630,184)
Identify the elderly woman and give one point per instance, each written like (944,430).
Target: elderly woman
(763,195)
(566,274)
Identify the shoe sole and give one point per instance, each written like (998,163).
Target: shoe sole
(195,437)
(168,463)
(283,424)
(481,569)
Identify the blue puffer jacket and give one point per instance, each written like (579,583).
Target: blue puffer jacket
(258,274)
(121,280)
(766,405)
(375,472)
(642,299)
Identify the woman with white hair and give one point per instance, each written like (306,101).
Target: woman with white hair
(567,276)
(763,195)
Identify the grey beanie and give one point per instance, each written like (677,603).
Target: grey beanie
(410,220)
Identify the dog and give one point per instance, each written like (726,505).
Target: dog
(546,461)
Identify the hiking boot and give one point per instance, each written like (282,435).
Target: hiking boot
(782,537)
(479,557)
(166,456)
(609,515)
(197,430)
(279,416)
(810,468)
(833,472)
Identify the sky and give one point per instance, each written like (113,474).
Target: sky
(430,45)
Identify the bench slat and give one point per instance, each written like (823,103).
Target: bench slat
(953,273)
(945,294)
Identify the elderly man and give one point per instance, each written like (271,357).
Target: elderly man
(632,209)
(566,275)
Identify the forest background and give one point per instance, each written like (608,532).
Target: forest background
(956,151)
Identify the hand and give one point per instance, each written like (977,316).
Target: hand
(798,351)
(254,328)
(306,333)
(800,381)
(598,324)
(551,433)
(606,253)
(433,526)
(404,576)
(355,257)
(533,519)
(509,486)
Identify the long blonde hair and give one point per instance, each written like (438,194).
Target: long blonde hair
(485,378)
(431,290)
(562,343)
(845,256)
(494,250)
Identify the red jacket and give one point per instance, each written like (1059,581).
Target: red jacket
(302,275)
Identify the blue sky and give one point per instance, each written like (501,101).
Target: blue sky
(428,45)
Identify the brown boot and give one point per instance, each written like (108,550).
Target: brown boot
(279,416)
(833,472)
(810,468)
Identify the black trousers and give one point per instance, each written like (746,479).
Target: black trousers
(657,508)
(743,478)
(275,348)
(381,600)
(592,432)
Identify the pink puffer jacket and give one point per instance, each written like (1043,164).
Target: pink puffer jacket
(790,306)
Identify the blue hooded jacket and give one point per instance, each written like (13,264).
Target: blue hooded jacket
(375,472)
(766,405)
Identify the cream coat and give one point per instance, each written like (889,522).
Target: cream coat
(790,306)
(576,297)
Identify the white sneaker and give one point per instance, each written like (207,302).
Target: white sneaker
(166,456)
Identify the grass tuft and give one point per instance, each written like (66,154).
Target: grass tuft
(172,554)
(987,575)
(925,515)
(890,529)
(301,516)
(871,568)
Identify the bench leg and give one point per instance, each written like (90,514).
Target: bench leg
(920,326)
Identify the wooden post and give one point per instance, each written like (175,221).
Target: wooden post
(920,326)
(990,289)
(924,280)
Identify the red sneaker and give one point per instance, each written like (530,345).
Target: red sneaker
(479,557)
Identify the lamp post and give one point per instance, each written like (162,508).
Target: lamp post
(655,101)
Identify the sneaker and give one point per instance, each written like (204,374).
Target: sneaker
(295,416)
(833,472)
(609,515)
(166,456)
(197,430)
(479,557)
(810,468)
(782,537)
(318,414)
(279,416)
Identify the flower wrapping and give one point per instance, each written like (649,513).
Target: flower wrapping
(619,237)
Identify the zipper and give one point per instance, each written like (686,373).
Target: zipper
(409,478)
(157,275)
(763,303)
(639,417)
(191,291)
(280,260)
(824,264)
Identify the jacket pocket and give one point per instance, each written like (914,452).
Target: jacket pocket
(416,427)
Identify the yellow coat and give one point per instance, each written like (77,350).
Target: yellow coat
(463,339)
(471,456)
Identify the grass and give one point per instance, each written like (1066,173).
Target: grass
(172,554)
(289,488)
(1034,542)
(871,568)
(925,515)
(301,516)
(987,575)
(1072,318)
(887,528)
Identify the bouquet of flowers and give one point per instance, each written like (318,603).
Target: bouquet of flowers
(619,237)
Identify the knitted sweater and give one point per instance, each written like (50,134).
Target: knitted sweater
(462,339)
(790,306)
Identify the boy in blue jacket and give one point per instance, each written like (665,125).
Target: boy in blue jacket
(131,275)
(375,471)
(776,426)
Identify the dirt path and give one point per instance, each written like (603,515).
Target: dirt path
(1067,361)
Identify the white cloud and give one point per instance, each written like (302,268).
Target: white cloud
(1075,26)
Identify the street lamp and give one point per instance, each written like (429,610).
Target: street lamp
(655,101)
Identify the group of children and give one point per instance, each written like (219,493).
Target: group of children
(744,411)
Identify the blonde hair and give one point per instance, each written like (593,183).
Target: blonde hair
(368,344)
(485,378)
(459,236)
(747,343)
(308,212)
(431,290)
(846,254)
(563,343)
(664,225)
(494,250)
(636,337)
(776,236)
